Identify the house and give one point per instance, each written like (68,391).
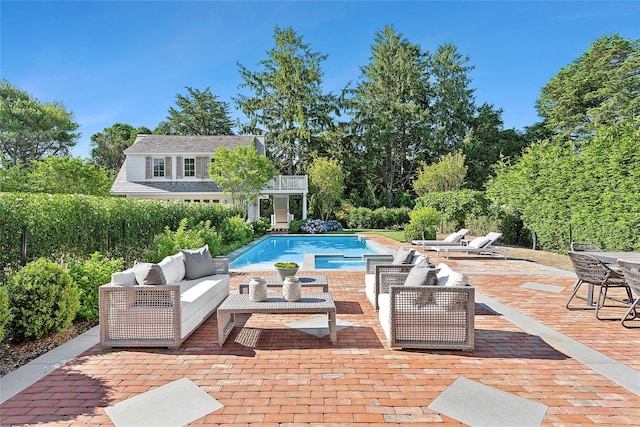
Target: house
(173,167)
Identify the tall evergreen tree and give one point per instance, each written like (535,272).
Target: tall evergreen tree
(389,110)
(197,113)
(454,105)
(287,100)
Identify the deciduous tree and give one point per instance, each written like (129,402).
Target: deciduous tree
(241,173)
(107,147)
(31,130)
(446,175)
(326,182)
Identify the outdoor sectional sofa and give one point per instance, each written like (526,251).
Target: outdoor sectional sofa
(160,305)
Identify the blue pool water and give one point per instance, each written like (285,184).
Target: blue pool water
(289,248)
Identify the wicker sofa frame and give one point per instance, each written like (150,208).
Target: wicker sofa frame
(148,316)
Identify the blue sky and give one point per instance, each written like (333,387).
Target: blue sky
(124,61)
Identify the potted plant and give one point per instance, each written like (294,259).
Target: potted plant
(285,269)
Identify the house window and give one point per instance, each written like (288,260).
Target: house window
(158,168)
(189,167)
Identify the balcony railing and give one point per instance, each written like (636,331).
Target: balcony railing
(288,183)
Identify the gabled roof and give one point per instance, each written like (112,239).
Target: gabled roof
(179,144)
(123,187)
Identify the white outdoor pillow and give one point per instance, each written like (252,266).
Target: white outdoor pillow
(420,259)
(124,278)
(173,268)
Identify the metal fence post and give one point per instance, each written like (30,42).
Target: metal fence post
(23,251)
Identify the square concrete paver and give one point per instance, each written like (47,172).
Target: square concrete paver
(479,405)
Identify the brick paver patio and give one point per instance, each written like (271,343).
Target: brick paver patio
(268,374)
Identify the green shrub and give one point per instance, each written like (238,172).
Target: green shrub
(236,230)
(378,218)
(89,275)
(422,225)
(260,226)
(360,218)
(170,242)
(295,225)
(5,312)
(43,298)
(63,224)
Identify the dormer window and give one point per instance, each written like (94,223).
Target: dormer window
(158,167)
(189,167)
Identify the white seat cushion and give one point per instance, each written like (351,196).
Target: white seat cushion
(370,288)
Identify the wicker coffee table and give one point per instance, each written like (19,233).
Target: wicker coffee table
(310,281)
(275,304)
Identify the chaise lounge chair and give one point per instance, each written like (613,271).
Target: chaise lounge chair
(479,245)
(452,239)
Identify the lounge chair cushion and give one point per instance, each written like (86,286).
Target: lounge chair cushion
(149,274)
(403,256)
(479,242)
(198,263)
(451,238)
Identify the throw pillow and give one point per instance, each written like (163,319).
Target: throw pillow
(421,276)
(149,274)
(421,260)
(403,256)
(124,278)
(198,263)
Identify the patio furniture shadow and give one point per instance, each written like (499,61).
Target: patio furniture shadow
(348,307)
(513,345)
(64,381)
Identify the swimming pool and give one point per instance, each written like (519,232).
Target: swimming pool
(347,252)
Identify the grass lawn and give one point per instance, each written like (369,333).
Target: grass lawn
(392,234)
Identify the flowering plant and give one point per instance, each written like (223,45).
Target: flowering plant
(315,226)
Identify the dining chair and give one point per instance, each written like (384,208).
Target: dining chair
(631,273)
(592,271)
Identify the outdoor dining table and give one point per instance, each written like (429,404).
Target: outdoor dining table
(609,258)
(613,257)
